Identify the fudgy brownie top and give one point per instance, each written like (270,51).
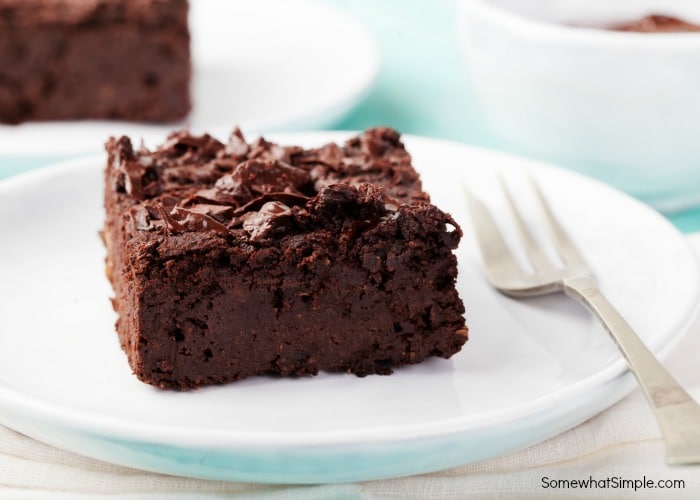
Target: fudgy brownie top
(261,191)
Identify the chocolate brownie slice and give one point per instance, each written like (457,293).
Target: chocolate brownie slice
(97,59)
(233,259)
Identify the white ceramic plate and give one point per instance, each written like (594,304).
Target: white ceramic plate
(530,370)
(261,64)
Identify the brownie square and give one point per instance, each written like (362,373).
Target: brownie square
(94,59)
(236,259)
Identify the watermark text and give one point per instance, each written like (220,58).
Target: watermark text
(612,483)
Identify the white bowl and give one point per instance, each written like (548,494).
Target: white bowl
(623,107)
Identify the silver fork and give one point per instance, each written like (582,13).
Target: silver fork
(677,414)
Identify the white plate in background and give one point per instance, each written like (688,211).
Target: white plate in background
(531,369)
(261,64)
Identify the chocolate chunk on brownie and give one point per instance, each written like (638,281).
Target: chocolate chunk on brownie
(94,59)
(233,259)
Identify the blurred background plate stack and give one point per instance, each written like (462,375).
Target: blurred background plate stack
(263,65)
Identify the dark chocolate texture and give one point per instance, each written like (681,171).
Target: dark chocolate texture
(94,59)
(236,259)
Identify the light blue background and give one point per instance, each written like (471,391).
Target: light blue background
(423,86)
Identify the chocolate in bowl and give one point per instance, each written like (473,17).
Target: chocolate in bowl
(657,23)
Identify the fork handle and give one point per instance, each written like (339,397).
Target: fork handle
(677,414)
